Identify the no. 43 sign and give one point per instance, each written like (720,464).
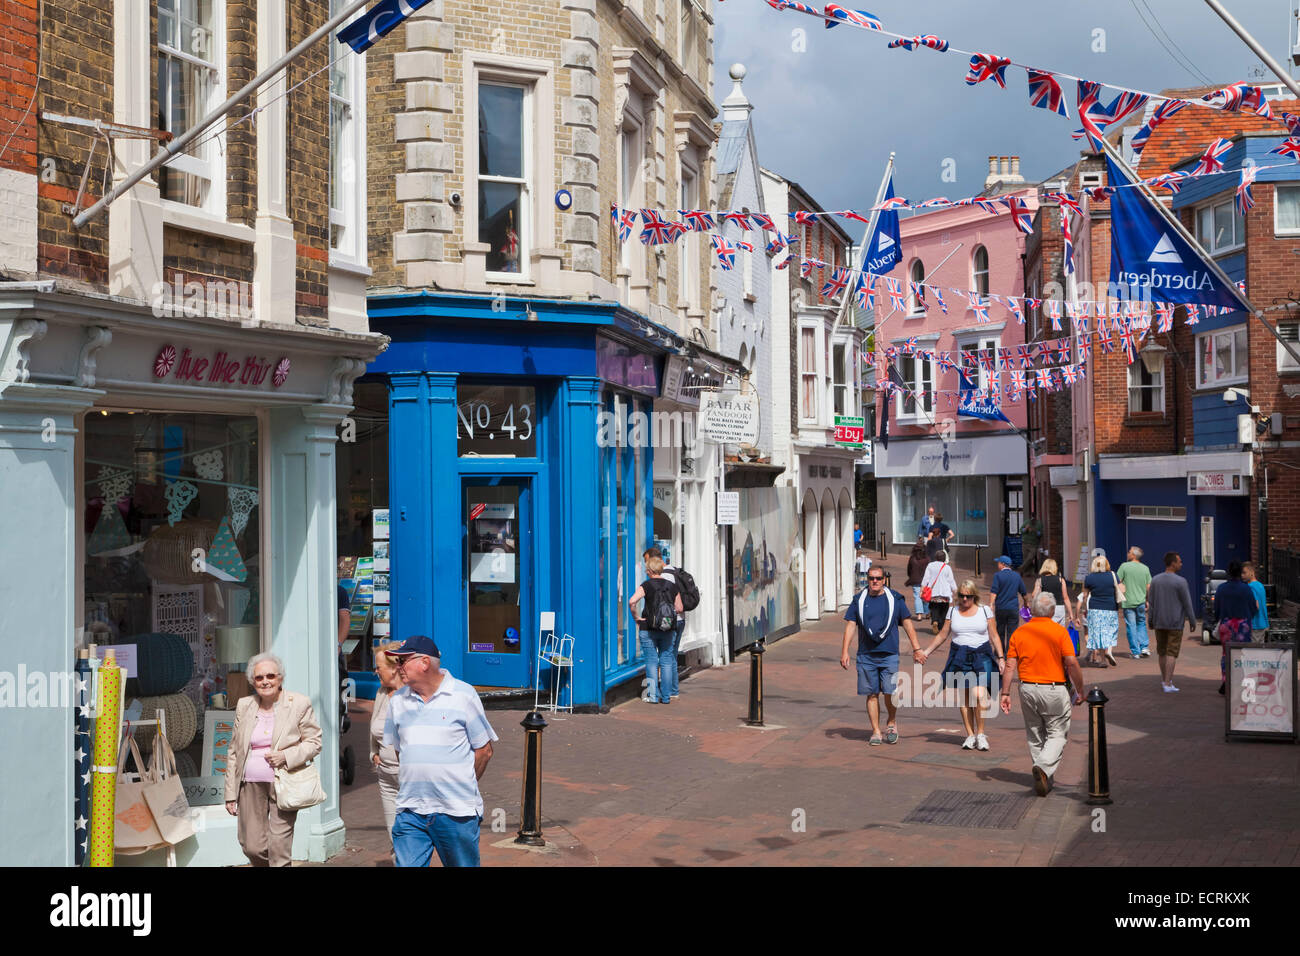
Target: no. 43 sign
(496,420)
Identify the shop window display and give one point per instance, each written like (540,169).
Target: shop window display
(172,563)
(962,501)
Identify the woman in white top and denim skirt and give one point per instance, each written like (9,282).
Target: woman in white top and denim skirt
(976,653)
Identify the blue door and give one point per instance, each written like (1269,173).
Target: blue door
(498,581)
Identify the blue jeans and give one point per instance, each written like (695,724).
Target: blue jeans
(922,608)
(657,649)
(1135,626)
(417,835)
(672,671)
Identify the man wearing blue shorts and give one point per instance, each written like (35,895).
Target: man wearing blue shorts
(875,615)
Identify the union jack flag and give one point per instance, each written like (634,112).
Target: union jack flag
(743,244)
(1211,310)
(908,346)
(918,293)
(624,222)
(946,364)
(893,202)
(1245,200)
(859,17)
(1053,307)
(1070,373)
(1193,314)
(726,252)
(1106,344)
(866,291)
(784,263)
(1289,147)
(1017,382)
(1209,161)
(763,221)
(1085,350)
(1171,181)
(968,359)
(1241,286)
(1092,114)
(938,297)
(896,298)
(1125,104)
(911,43)
(1240,96)
(1082,327)
(778,243)
(804,216)
(1045,93)
(658,230)
(960,294)
(1165,312)
(868,359)
(891,352)
(696,220)
(1063,350)
(1068,238)
(932,203)
(1126,340)
(1162,112)
(988,66)
(1014,307)
(793,5)
(856,216)
(739,218)
(676,230)
(1100,193)
(1066,201)
(1020,214)
(980,307)
(1046,380)
(1033,303)
(836,284)
(990,206)
(1023,356)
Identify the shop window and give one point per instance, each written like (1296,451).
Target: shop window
(173,563)
(496,421)
(503,174)
(1222,358)
(191,82)
(963,502)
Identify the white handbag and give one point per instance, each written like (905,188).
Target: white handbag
(298,789)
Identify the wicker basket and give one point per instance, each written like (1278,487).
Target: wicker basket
(168,554)
(182,720)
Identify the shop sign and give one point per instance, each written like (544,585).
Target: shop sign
(1217,483)
(850,432)
(219,369)
(1261,679)
(729,418)
(728,507)
(682,385)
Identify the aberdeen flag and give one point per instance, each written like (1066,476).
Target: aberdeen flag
(977,404)
(363,33)
(884,250)
(1152,258)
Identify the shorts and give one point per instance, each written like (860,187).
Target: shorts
(1168,643)
(877,675)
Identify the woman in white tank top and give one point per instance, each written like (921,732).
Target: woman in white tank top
(975,654)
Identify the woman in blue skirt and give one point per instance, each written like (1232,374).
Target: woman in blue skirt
(975,655)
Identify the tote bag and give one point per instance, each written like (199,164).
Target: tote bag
(166,797)
(298,789)
(134,829)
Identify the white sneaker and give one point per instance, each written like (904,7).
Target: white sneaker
(981,742)
(1169,688)
(968,743)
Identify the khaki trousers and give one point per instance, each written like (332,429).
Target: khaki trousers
(1047,721)
(265,831)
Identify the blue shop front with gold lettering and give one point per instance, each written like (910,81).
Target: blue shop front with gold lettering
(512,489)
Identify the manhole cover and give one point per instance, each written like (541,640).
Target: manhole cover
(971,808)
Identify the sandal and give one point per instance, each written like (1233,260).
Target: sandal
(876,740)
(891,734)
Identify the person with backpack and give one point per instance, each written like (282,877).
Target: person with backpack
(875,615)
(690,595)
(663,604)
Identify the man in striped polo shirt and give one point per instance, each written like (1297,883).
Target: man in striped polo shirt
(444,743)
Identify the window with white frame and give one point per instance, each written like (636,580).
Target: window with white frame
(1146,391)
(504,153)
(918,375)
(1219,227)
(688,248)
(191,82)
(976,372)
(808,374)
(1289,333)
(841,380)
(347,117)
(979,265)
(631,163)
(689,37)
(1222,358)
(916,303)
(1286,209)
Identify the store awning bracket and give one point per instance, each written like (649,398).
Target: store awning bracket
(107,132)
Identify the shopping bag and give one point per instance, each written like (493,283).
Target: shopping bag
(134,830)
(1074,637)
(298,789)
(166,797)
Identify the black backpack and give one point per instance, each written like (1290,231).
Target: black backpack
(661,609)
(686,586)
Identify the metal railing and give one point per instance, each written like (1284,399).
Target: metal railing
(1284,569)
(866,521)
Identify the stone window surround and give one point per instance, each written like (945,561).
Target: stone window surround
(353,260)
(639,90)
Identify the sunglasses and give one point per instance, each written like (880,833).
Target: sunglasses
(971,596)
(874,578)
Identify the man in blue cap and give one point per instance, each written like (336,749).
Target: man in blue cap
(1009,595)
(444,742)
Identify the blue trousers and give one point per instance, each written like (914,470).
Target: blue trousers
(657,649)
(1135,628)
(417,835)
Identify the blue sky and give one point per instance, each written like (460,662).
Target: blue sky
(828,117)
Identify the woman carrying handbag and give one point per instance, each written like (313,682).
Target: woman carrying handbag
(268,777)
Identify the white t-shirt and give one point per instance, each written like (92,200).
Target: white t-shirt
(970,631)
(938,577)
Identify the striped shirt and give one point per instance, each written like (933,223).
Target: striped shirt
(436,740)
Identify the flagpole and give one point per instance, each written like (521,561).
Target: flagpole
(1214,267)
(871,226)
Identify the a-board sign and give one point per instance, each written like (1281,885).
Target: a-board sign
(729,418)
(1261,691)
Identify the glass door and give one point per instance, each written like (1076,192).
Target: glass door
(498,582)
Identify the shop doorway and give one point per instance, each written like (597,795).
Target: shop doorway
(498,575)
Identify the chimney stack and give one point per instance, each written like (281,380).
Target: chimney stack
(1015,169)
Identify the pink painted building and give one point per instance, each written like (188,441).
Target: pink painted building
(973,471)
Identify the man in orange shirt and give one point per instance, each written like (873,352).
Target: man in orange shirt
(1041,653)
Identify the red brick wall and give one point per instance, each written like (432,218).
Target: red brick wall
(18,83)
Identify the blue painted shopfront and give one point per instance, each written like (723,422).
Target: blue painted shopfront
(510,494)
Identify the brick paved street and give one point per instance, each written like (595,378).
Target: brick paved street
(690,784)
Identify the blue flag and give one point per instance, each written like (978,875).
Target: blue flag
(1151,257)
(975,405)
(376,22)
(884,250)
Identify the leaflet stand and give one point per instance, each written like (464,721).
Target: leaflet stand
(558,652)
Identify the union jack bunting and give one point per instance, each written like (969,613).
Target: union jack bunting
(1165,313)
(1014,307)
(763,221)
(1092,114)
(987,66)
(1126,341)
(866,291)
(1070,373)
(918,293)
(1288,147)
(1044,350)
(1193,314)
(859,17)
(624,221)
(1100,193)
(1068,239)
(1053,307)
(778,243)
(1241,286)
(785,263)
(1020,214)
(946,364)
(696,220)
(1004,358)
(1125,105)
(1066,201)
(893,202)
(868,359)
(891,352)
(1046,381)
(938,297)
(1240,96)
(980,307)
(908,346)
(804,216)
(676,230)
(726,252)
(1022,354)
(1017,381)
(990,206)
(658,230)
(1245,200)
(1045,93)
(793,5)
(1072,312)
(936,201)
(1116,314)
(1081,327)
(968,359)
(739,218)
(1033,303)
(855,216)
(835,285)
(896,297)
(995,298)
(1171,181)
(1162,112)
(805,268)
(743,244)
(1085,350)
(1106,344)
(1211,310)
(1063,350)
(911,43)
(1209,161)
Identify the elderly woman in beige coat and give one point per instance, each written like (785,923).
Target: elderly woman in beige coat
(273,728)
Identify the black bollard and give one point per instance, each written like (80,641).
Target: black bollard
(530,804)
(1098,774)
(756,685)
